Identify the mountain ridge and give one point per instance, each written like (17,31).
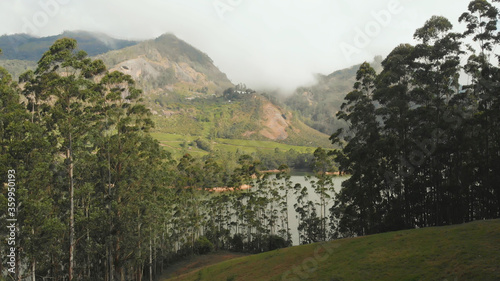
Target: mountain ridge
(318,103)
(168,63)
(31,48)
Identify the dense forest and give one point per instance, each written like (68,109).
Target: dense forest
(94,197)
(424,150)
(88,194)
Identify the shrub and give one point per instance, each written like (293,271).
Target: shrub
(277,242)
(237,243)
(203,144)
(203,246)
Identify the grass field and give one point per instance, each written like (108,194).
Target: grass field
(180,144)
(468,251)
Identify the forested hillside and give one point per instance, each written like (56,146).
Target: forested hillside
(320,102)
(189,95)
(29,48)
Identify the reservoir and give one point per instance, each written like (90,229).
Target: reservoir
(292,214)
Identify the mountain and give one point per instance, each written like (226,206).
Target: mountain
(185,91)
(189,95)
(30,48)
(168,65)
(320,102)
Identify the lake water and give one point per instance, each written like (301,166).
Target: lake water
(291,199)
(292,215)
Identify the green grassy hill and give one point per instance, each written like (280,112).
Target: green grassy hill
(179,145)
(468,251)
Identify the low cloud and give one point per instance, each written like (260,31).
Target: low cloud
(264,44)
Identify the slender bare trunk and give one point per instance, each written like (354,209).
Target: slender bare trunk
(33,261)
(18,264)
(108,264)
(139,245)
(150,258)
(89,262)
(71,214)
(109,248)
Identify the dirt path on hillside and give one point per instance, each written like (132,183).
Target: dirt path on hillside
(197,262)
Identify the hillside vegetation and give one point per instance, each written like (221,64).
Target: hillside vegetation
(459,252)
(320,102)
(17,67)
(252,117)
(178,145)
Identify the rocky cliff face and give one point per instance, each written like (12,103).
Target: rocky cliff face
(275,122)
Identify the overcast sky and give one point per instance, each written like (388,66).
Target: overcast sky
(262,43)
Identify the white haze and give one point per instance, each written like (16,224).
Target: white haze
(273,44)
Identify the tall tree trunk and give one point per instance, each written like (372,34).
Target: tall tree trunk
(119,266)
(72,213)
(150,258)
(139,245)
(33,261)
(18,264)
(33,270)
(89,261)
(109,247)
(122,273)
(108,263)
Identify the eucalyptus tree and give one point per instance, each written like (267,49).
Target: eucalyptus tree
(24,152)
(255,214)
(309,225)
(425,147)
(482,66)
(274,197)
(61,88)
(436,83)
(359,157)
(129,159)
(323,185)
(286,189)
